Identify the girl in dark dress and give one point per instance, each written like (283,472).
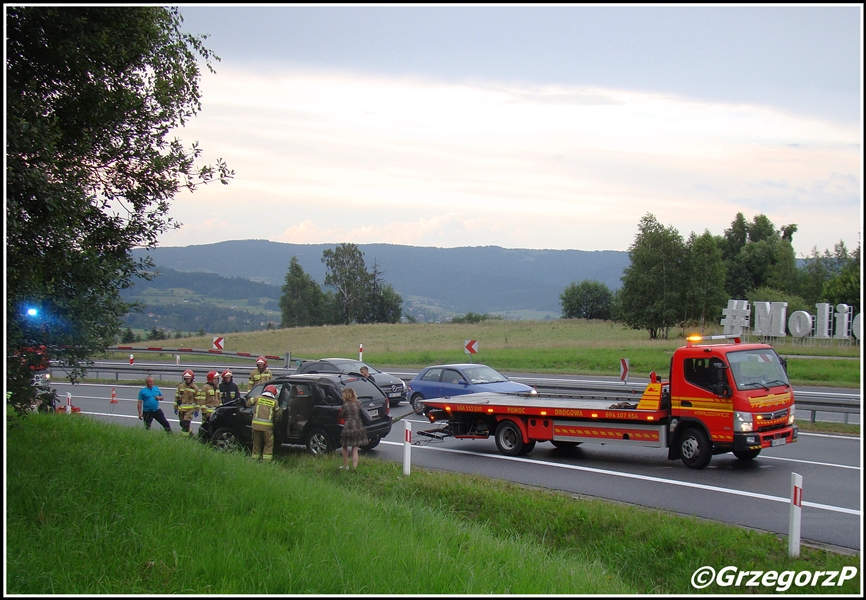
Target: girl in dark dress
(354,433)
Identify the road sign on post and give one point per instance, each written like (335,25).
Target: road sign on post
(623,370)
(218,343)
(470,347)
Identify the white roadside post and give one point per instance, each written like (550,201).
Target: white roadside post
(407,448)
(361,353)
(68,403)
(794,515)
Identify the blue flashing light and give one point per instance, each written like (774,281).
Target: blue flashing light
(32,312)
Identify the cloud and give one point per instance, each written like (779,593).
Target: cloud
(327,157)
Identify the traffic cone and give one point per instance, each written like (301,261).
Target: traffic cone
(113,397)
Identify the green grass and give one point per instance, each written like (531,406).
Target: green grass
(569,346)
(105,509)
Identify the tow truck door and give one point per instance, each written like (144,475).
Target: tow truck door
(699,395)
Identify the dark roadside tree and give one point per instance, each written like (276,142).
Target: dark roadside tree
(844,288)
(588,299)
(757,255)
(360,296)
(93,98)
(383,305)
(704,281)
(303,302)
(652,293)
(346,272)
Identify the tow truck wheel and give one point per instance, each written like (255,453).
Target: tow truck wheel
(225,440)
(746,454)
(319,443)
(695,448)
(418,403)
(509,440)
(527,447)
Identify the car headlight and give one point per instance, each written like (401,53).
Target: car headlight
(743,422)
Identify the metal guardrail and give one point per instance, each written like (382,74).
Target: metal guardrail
(806,401)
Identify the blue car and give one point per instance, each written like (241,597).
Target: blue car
(455,380)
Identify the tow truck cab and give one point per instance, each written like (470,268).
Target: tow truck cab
(736,395)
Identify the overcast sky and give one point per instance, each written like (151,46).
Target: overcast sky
(526,126)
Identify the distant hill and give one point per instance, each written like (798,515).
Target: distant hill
(486,279)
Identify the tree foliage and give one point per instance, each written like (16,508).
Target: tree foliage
(652,290)
(704,280)
(358,296)
(92,96)
(303,302)
(588,299)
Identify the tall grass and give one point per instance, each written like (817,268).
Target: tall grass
(104,509)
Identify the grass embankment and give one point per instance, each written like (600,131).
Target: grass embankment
(569,346)
(96,509)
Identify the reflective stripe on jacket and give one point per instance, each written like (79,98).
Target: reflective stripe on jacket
(186,396)
(263,412)
(257,376)
(210,395)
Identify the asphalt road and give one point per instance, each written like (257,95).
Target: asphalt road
(753,494)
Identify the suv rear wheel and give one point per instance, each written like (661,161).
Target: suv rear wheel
(319,442)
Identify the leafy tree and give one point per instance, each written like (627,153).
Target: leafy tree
(303,302)
(588,299)
(704,279)
(651,296)
(347,274)
(92,94)
(360,296)
(156,334)
(844,288)
(383,304)
(768,294)
(756,255)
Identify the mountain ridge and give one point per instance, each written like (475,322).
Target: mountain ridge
(481,279)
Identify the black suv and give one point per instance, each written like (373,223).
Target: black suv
(394,387)
(311,413)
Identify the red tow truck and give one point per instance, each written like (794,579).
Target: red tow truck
(721,397)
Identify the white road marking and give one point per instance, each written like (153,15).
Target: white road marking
(710,488)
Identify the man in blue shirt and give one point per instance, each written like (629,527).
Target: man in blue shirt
(148,406)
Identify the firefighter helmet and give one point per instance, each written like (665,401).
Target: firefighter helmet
(227,374)
(188,373)
(270,391)
(212,375)
(262,361)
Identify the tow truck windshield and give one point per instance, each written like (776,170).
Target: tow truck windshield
(754,369)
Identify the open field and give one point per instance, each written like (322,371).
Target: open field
(105,509)
(570,346)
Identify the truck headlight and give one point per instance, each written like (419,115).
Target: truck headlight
(791,415)
(743,421)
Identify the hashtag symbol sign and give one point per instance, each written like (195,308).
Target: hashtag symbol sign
(736,317)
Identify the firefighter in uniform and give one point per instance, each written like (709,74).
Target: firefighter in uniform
(261,373)
(186,400)
(228,388)
(265,412)
(209,396)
